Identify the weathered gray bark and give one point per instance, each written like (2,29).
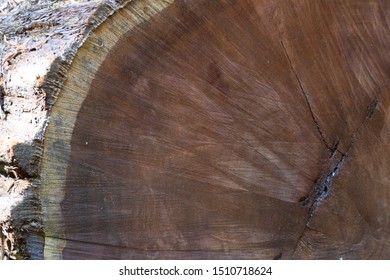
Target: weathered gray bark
(195,129)
(38,42)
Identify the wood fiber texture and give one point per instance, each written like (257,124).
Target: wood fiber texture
(225,130)
(38,41)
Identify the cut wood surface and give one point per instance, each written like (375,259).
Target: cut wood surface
(39,39)
(214,130)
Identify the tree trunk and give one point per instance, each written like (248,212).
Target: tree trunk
(195,130)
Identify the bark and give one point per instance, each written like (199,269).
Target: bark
(195,129)
(39,40)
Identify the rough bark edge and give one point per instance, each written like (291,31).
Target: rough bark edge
(57,74)
(22,232)
(64,113)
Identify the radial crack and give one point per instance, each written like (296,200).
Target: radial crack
(320,192)
(323,187)
(322,136)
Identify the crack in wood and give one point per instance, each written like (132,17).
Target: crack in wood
(323,189)
(315,121)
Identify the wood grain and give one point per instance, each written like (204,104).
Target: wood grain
(223,129)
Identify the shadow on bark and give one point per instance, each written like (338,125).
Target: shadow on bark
(25,220)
